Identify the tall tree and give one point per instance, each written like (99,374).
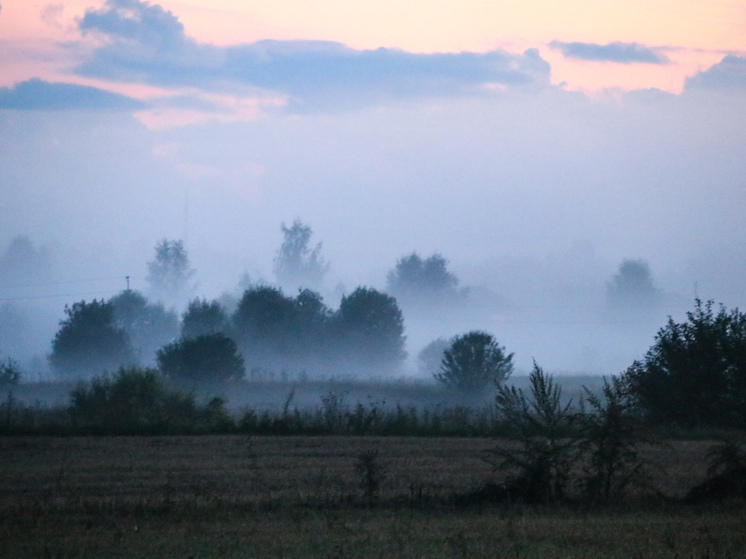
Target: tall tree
(369,329)
(296,264)
(169,273)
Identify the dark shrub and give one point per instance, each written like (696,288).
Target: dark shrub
(210,358)
(473,362)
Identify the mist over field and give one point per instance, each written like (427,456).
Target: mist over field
(535,195)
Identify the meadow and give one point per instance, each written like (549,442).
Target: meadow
(303,496)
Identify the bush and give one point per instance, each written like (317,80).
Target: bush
(694,375)
(611,432)
(209,358)
(538,468)
(474,361)
(136,401)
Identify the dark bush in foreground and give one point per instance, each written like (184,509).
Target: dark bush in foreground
(694,375)
(135,401)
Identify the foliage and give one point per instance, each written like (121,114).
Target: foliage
(135,401)
(208,358)
(632,287)
(694,375)
(539,466)
(611,433)
(10,372)
(202,317)
(413,277)
(170,272)
(89,341)
(149,326)
(297,265)
(474,361)
(370,327)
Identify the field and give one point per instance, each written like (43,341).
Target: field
(234,496)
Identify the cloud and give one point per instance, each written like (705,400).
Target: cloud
(729,74)
(37,94)
(617,52)
(145,43)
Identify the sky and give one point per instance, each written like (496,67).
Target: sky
(535,144)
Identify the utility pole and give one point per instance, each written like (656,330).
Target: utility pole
(128,283)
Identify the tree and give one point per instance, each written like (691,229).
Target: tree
(370,328)
(208,358)
(274,330)
(89,341)
(10,372)
(265,322)
(474,361)
(694,375)
(416,278)
(202,317)
(297,265)
(632,288)
(170,272)
(539,465)
(149,326)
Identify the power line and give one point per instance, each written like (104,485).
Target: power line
(67,282)
(68,295)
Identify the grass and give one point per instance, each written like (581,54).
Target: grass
(238,496)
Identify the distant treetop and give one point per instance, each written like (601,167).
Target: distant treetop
(296,265)
(414,277)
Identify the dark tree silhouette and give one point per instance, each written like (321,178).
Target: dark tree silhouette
(10,372)
(297,265)
(632,288)
(89,341)
(202,317)
(170,272)
(418,278)
(265,322)
(209,358)
(148,325)
(274,330)
(370,329)
(695,373)
(474,361)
